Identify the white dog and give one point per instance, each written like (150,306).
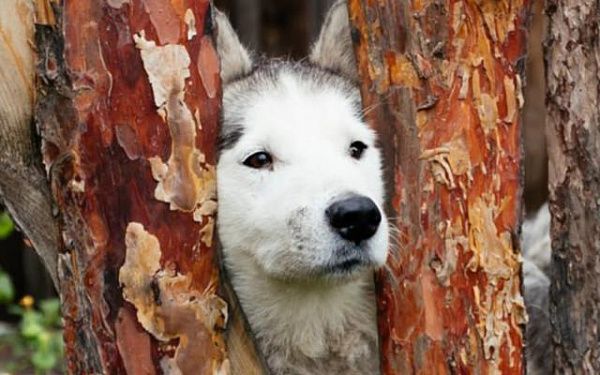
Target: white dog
(300,203)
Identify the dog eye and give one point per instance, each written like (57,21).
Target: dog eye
(357,149)
(259,160)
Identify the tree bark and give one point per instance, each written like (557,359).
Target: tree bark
(23,186)
(573,132)
(128,103)
(440,83)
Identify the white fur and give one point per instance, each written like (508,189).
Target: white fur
(309,134)
(274,230)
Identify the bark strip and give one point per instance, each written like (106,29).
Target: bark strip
(440,83)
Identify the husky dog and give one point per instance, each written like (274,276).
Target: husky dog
(293,138)
(296,157)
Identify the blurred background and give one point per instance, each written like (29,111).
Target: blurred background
(283,28)
(29,318)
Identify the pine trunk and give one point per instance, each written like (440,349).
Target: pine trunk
(441,84)
(128,104)
(573,132)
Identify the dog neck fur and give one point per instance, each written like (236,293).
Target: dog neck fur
(312,328)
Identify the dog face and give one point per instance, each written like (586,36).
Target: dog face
(299,176)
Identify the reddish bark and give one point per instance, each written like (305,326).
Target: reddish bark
(128,106)
(440,83)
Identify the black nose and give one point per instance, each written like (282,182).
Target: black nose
(355,218)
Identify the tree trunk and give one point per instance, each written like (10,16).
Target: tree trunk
(127,107)
(573,79)
(23,186)
(441,85)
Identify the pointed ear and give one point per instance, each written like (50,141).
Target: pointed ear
(333,49)
(235,59)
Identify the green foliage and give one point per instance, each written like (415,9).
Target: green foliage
(40,330)
(7,290)
(6,225)
(37,343)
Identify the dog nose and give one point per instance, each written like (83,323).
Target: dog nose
(355,218)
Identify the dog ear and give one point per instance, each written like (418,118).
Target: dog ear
(235,59)
(333,49)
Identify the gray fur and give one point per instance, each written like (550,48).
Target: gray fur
(538,333)
(349,341)
(236,61)
(536,239)
(333,49)
(228,139)
(536,285)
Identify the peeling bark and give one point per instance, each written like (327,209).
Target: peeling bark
(128,103)
(440,83)
(573,79)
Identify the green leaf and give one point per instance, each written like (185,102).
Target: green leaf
(50,309)
(7,290)
(6,225)
(15,310)
(31,325)
(44,360)
(57,342)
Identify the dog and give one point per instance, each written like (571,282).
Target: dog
(302,237)
(300,187)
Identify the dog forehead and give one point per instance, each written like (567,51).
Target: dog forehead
(294,100)
(297,110)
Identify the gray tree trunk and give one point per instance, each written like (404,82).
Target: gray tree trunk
(572,59)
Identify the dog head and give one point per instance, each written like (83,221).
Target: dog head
(299,175)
